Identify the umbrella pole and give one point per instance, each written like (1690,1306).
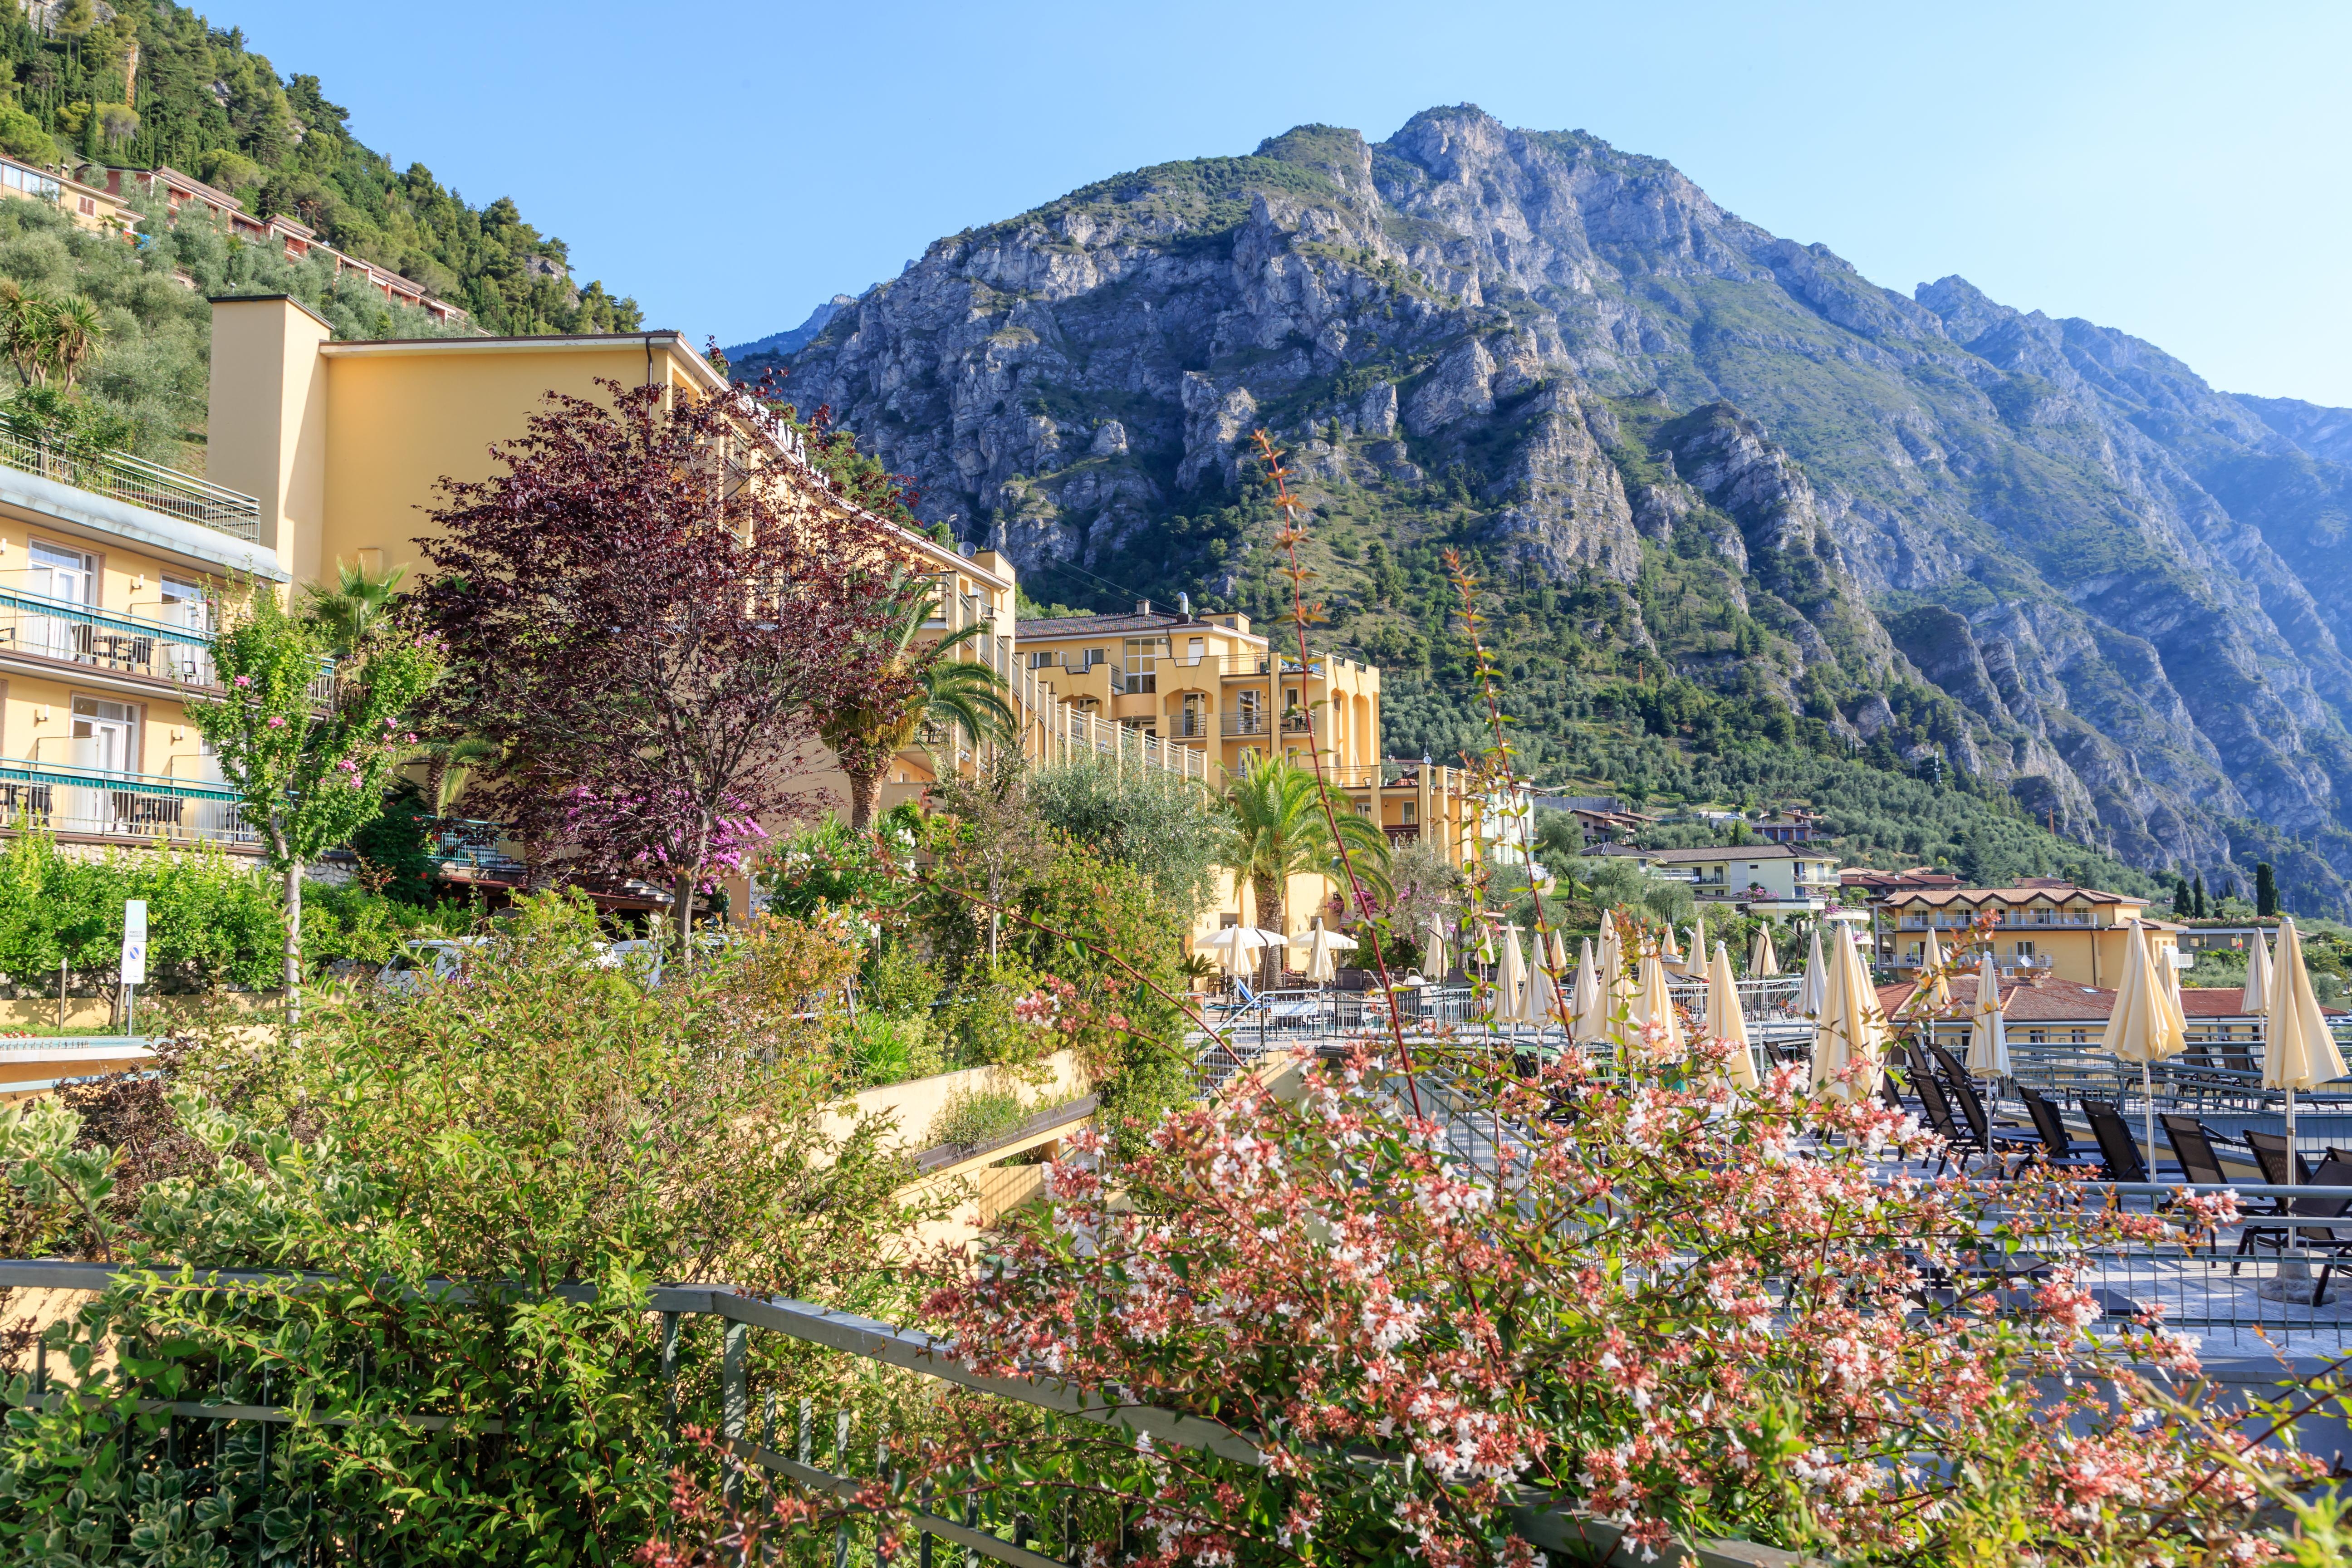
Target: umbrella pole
(2291,1161)
(2148,1105)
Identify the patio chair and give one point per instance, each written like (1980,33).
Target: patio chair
(1939,1118)
(2192,1145)
(1992,1136)
(2271,1152)
(2057,1150)
(2336,1240)
(2117,1148)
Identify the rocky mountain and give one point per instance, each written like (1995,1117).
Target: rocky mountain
(779,345)
(2041,551)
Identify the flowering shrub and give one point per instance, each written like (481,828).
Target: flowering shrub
(1675,1306)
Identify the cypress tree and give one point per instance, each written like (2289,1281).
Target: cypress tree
(2200,895)
(2265,888)
(2180,903)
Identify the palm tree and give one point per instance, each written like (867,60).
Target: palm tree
(921,689)
(351,610)
(76,332)
(447,764)
(27,327)
(1277,828)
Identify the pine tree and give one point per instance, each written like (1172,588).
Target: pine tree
(2266,900)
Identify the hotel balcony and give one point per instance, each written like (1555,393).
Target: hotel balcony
(139,482)
(1247,723)
(104,643)
(78,803)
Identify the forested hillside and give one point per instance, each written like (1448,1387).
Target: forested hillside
(148,84)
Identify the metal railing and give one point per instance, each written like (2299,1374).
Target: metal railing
(62,798)
(1008,1518)
(1246,722)
(33,625)
(40,627)
(140,482)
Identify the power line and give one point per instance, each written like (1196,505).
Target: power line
(1079,572)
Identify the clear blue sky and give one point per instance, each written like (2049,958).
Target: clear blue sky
(2177,171)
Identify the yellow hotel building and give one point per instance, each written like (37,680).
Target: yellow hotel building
(323,452)
(2044,926)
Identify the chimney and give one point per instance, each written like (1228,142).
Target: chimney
(268,419)
(1143,607)
(1184,605)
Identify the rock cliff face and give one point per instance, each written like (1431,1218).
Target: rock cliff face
(2134,587)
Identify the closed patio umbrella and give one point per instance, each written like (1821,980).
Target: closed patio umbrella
(1543,995)
(2256,1003)
(1814,984)
(1695,966)
(1323,945)
(1848,1030)
(1654,1004)
(2146,1024)
(1591,1012)
(1988,1031)
(2297,1050)
(1931,976)
(1725,1022)
(1559,951)
(1666,947)
(1763,963)
(1617,987)
(1433,948)
(1511,984)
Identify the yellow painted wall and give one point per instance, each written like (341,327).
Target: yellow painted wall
(397,422)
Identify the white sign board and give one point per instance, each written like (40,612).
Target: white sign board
(134,941)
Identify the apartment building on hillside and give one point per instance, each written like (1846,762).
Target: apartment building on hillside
(90,206)
(297,239)
(1761,879)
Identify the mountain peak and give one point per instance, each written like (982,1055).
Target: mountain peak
(2119,595)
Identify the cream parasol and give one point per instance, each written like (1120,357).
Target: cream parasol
(1236,943)
(1323,945)
(2144,1026)
(1931,976)
(2256,1003)
(1511,988)
(1592,1015)
(1654,1004)
(1725,1022)
(1763,963)
(1850,1031)
(2297,1050)
(1988,1031)
(1814,984)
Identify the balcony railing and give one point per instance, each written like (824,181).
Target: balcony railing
(41,627)
(62,798)
(35,626)
(1248,723)
(140,482)
(468,850)
(2010,919)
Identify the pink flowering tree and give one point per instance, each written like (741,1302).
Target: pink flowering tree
(308,748)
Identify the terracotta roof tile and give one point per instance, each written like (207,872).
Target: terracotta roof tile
(1940,897)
